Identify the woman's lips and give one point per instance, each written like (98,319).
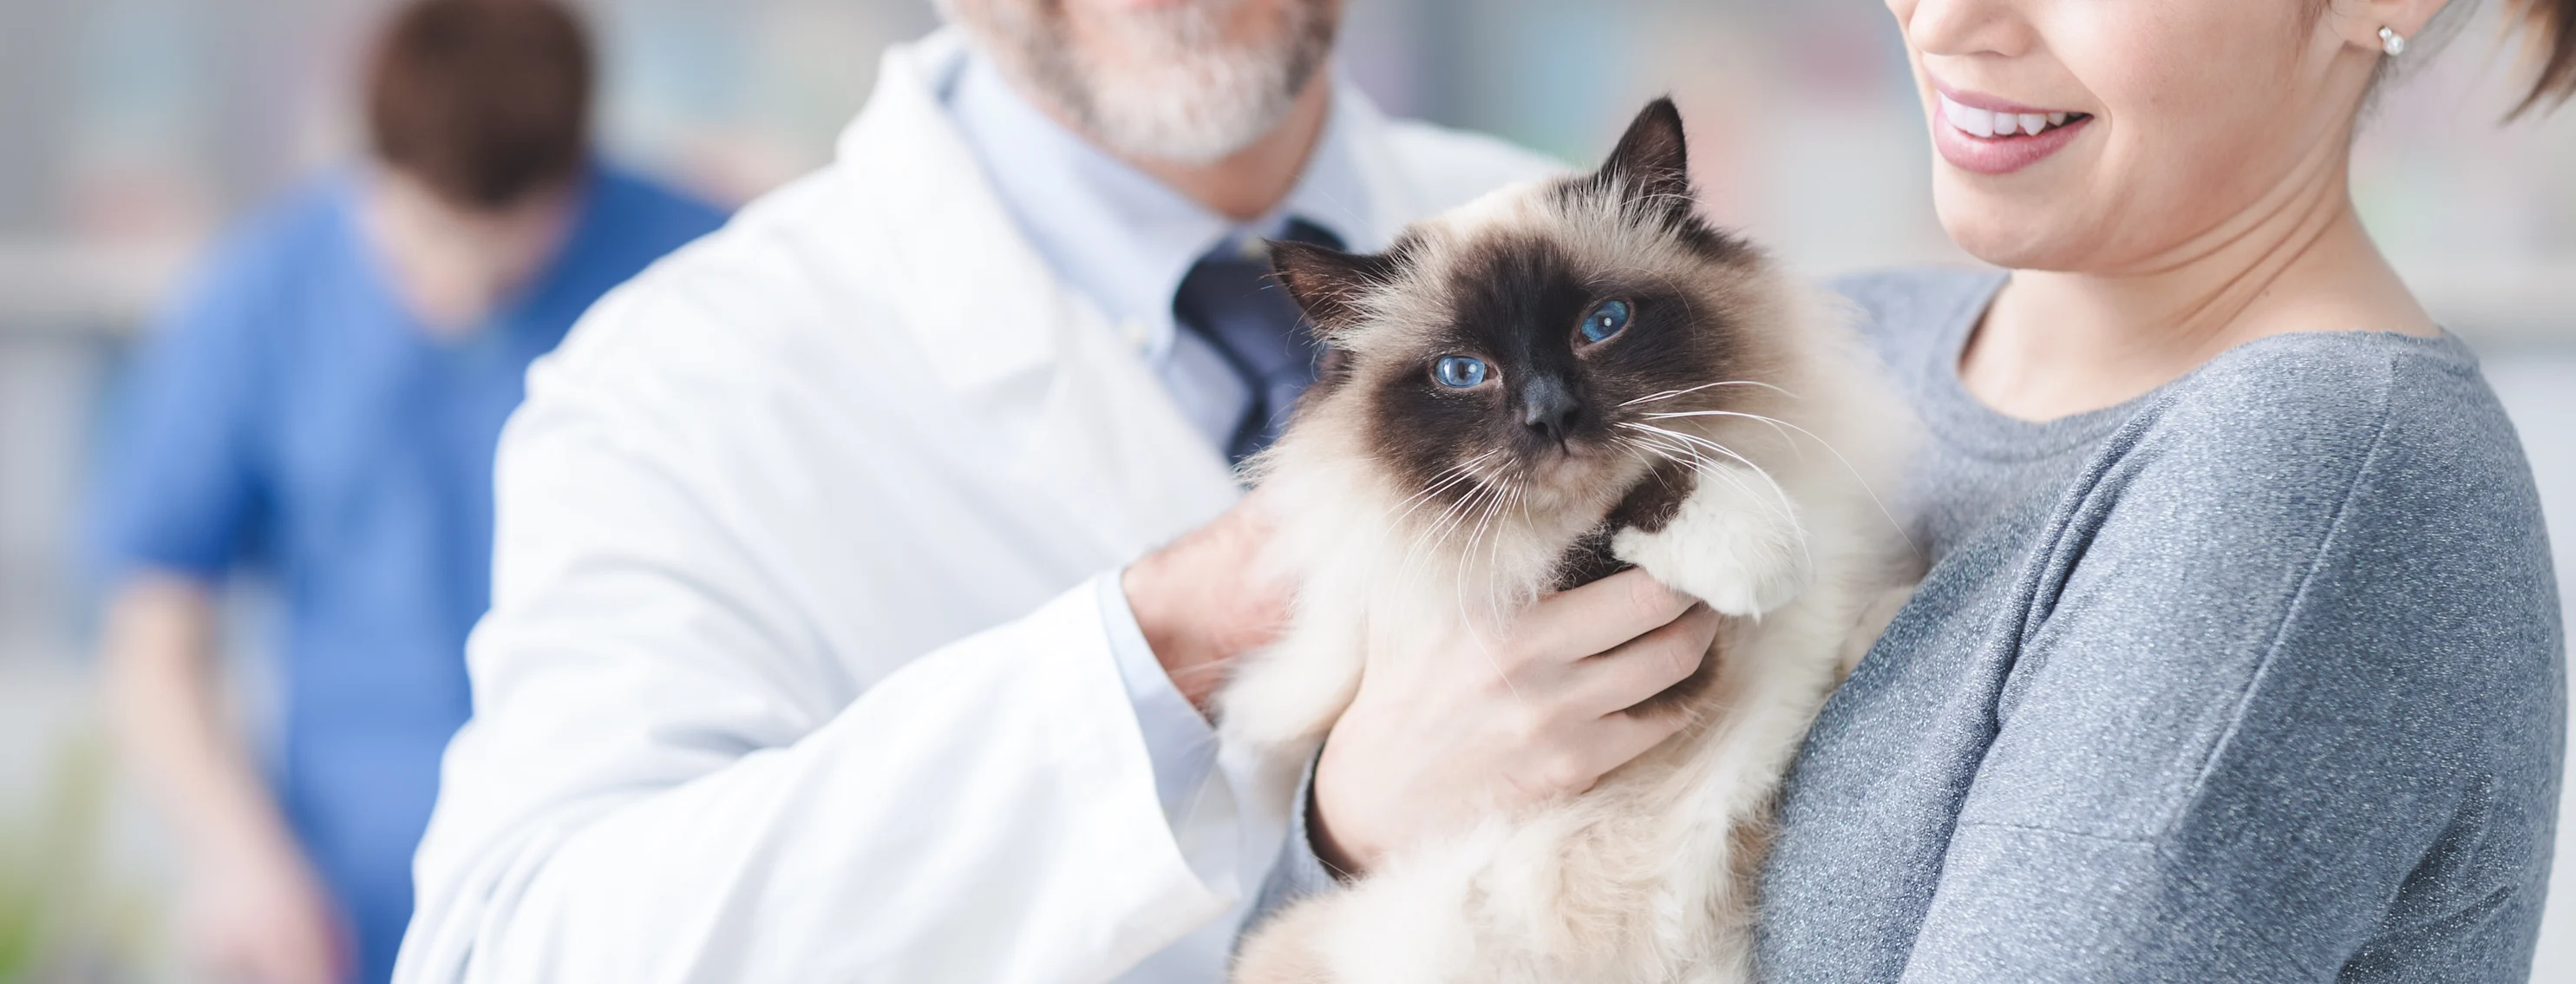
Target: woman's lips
(1998,137)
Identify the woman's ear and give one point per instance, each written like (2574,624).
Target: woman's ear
(1328,284)
(2358,22)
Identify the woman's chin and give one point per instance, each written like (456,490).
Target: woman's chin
(2018,237)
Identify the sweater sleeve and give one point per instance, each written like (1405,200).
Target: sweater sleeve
(2277,712)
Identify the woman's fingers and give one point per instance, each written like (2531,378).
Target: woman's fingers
(1618,738)
(1419,751)
(1644,666)
(1596,617)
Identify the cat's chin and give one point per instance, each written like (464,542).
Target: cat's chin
(1565,466)
(1580,480)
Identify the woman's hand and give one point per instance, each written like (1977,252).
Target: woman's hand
(1435,739)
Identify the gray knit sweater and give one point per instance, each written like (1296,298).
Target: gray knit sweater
(2259,677)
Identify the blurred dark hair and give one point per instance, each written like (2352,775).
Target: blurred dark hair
(484,101)
(2549,39)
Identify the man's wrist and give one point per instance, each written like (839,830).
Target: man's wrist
(1164,616)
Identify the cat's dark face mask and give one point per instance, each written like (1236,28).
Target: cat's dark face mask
(1536,350)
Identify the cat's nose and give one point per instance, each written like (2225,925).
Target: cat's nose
(1549,408)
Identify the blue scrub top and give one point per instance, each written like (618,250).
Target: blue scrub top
(291,414)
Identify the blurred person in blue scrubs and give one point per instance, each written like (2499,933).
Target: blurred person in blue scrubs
(322,405)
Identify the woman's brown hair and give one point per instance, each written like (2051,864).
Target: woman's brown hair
(2549,41)
(484,101)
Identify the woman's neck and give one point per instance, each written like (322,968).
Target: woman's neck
(2061,343)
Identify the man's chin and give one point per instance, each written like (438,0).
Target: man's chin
(1157,82)
(1184,120)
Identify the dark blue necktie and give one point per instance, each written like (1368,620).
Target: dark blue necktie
(1230,300)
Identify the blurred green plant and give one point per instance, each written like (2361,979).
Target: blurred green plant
(60,920)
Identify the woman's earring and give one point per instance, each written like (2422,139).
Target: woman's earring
(2392,42)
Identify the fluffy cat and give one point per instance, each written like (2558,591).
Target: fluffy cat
(1535,390)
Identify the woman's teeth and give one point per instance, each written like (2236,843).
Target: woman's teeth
(1988,123)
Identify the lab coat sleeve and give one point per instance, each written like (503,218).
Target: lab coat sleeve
(664,781)
(985,814)
(1181,742)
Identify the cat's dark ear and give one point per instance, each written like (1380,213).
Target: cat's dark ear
(1328,283)
(1651,165)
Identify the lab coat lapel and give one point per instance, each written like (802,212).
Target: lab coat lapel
(1036,369)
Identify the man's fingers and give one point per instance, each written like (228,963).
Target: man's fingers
(1644,666)
(1599,616)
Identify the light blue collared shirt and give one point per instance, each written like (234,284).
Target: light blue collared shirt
(1125,240)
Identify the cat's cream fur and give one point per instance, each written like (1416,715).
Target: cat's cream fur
(1649,876)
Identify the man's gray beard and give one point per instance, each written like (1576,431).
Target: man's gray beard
(1189,97)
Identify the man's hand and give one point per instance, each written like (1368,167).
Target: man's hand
(253,911)
(1435,739)
(253,908)
(1203,600)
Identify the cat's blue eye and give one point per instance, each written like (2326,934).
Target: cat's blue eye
(1458,371)
(1605,320)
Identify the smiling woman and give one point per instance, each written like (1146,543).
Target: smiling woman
(2240,655)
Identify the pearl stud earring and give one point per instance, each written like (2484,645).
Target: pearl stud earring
(2392,42)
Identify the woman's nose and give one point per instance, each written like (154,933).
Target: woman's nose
(1964,27)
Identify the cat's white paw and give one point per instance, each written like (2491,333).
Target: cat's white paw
(1736,544)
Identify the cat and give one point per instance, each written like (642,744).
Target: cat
(1534,390)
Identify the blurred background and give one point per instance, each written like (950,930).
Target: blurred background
(133,130)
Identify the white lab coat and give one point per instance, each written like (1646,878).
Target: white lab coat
(773,687)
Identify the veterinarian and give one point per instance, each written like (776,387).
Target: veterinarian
(321,407)
(816,652)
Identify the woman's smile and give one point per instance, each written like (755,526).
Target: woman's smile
(1986,135)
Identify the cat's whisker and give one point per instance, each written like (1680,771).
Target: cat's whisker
(1428,544)
(1670,394)
(1485,508)
(1484,515)
(1459,472)
(1857,477)
(1519,506)
(1683,455)
(1669,450)
(1424,551)
(1787,511)
(1490,496)
(1669,443)
(1446,476)
(1778,426)
(1788,508)
(1501,502)
(1776,488)
(1466,473)
(1455,517)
